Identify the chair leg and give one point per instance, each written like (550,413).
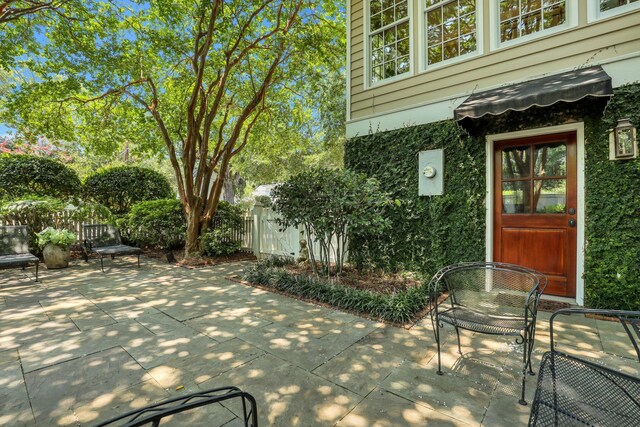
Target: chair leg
(138,260)
(525,344)
(437,331)
(101,264)
(37,264)
(458,334)
(532,341)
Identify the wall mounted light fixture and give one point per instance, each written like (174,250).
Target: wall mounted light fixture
(623,143)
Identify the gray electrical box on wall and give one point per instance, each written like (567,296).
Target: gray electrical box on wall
(430,172)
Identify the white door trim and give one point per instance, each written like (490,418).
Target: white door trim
(580,244)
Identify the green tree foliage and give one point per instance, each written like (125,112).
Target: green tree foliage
(120,188)
(157,223)
(330,204)
(191,80)
(23,175)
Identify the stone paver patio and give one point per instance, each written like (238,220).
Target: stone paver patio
(83,346)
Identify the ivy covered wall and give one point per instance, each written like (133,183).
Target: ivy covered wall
(430,232)
(426,232)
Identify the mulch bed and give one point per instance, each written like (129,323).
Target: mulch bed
(198,262)
(374,281)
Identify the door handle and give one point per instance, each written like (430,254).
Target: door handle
(572,222)
(572,211)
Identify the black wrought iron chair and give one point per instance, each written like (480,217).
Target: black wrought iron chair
(153,414)
(489,298)
(573,391)
(14,249)
(105,240)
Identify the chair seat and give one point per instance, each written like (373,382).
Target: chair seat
(17,260)
(117,250)
(477,321)
(573,392)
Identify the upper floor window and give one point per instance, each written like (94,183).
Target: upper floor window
(606,5)
(388,38)
(450,29)
(519,18)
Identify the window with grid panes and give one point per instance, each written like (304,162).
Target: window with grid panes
(522,17)
(450,29)
(388,38)
(612,4)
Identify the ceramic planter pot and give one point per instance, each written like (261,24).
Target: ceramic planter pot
(55,256)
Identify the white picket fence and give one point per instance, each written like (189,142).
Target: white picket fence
(60,220)
(263,236)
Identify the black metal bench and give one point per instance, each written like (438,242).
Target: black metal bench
(14,249)
(489,298)
(105,240)
(153,414)
(573,391)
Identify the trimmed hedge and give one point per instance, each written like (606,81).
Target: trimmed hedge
(23,175)
(156,223)
(121,187)
(399,307)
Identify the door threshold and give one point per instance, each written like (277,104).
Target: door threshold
(555,298)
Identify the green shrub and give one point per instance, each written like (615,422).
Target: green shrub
(399,307)
(23,175)
(330,204)
(40,213)
(156,223)
(224,238)
(121,187)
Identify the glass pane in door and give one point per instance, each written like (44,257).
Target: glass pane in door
(550,196)
(551,160)
(515,197)
(516,162)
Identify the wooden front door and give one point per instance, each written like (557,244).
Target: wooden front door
(535,207)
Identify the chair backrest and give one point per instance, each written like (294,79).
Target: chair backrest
(13,240)
(493,288)
(101,235)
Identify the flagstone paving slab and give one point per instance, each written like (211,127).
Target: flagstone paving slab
(384,409)
(288,395)
(83,346)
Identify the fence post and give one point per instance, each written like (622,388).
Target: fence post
(256,231)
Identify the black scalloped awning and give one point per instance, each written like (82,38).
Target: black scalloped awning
(569,87)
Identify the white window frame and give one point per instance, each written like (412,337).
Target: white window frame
(368,81)
(422,36)
(494,21)
(594,14)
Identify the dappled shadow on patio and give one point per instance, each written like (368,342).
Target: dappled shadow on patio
(83,346)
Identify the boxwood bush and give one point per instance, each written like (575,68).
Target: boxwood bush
(156,223)
(23,175)
(121,187)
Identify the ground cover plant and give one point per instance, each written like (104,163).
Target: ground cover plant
(399,307)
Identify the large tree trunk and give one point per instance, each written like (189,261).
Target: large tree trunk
(192,241)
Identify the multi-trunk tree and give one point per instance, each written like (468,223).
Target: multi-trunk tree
(198,76)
